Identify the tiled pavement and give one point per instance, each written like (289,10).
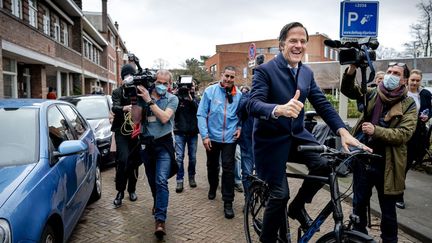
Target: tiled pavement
(191,216)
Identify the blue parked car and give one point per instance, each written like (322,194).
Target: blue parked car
(49,170)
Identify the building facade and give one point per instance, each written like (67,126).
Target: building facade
(47,43)
(237,55)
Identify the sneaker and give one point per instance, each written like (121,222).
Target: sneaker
(400,205)
(179,187)
(238,187)
(192,182)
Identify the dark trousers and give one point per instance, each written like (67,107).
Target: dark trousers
(126,162)
(365,178)
(279,191)
(226,151)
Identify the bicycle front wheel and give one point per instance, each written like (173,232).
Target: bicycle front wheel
(348,236)
(254,211)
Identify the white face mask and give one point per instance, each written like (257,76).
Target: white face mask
(391,82)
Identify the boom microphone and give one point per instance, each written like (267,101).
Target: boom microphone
(332,43)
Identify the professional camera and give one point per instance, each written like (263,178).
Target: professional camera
(184,85)
(144,77)
(357,53)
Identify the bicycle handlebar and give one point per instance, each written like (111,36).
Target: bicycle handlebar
(336,153)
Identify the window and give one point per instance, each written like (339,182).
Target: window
(112,39)
(10,85)
(273,50)
(213,69)
(331,54)
(16,6)
(33,13)
(57,28)
(326,52)
(65,35)
(260,50)
(58,128)
(46,22)
(78,125)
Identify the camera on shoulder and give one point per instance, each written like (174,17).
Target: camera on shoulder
(361,52)
(184,86)
(145,77)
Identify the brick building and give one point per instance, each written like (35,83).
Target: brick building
(237,55)
(47,43)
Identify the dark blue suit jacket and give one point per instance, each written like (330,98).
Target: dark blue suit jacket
(274,84)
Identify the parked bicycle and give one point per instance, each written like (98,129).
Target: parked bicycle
(259,193)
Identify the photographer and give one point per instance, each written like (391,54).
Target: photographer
(390,121)
(157,120)
(127,154)
(186,132)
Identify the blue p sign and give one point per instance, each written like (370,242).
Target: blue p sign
(359,19)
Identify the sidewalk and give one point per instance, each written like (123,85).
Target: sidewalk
(416,218)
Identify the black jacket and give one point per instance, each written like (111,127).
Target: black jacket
(186,122)
(119,100)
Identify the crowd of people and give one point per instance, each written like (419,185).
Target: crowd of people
(157,126)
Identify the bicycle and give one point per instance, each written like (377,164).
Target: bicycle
(259,193)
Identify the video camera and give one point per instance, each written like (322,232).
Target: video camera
(357,53)
(144,77)
(184,85)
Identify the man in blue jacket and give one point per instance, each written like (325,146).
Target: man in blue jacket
(279,89)
(220,128)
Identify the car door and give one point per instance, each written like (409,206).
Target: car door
(71,168)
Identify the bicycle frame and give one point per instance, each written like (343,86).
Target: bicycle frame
(333,206)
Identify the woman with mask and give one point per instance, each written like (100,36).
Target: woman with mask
(418,142)
(388,124)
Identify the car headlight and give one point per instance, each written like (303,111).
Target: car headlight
(5,233)
(103,133)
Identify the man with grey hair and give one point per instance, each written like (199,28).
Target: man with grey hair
(158,154)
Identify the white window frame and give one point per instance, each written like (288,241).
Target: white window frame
(46,22)
(57,28)
(1,3)
(332,54)
(16,6)
(12,73)
(66,35)
(33,13)
(326,52)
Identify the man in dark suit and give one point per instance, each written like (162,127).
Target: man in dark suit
(279,89)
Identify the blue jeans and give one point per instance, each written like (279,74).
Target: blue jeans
(247,164)
(237,172)
(180,145)
(157,174)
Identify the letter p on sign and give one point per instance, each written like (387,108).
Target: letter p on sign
(352,16)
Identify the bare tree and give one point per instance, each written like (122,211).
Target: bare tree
(421,31)
(160,64)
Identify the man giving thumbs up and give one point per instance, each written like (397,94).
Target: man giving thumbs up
(279,89)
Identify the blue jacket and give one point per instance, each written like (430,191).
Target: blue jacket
(217,119)
(274,84)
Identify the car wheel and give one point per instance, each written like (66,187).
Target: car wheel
(97,187)
(48,235)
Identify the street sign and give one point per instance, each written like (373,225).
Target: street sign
(359,19)
(252,51)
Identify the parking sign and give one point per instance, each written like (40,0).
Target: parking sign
(359,19)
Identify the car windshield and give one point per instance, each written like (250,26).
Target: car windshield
(19,129)
(91,108)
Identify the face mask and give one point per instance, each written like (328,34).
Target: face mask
(391,82)
(161,89)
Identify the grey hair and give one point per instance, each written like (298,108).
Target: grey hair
(164,72)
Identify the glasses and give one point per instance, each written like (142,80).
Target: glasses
(399,64)
(159,82)
(229,76)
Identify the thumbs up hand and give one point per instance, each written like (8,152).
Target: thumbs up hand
(292,108)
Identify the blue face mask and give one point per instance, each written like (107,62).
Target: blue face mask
(391,82)
(161,89)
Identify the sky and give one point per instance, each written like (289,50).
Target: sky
(176,30)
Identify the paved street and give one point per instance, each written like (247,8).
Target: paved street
(191,216)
